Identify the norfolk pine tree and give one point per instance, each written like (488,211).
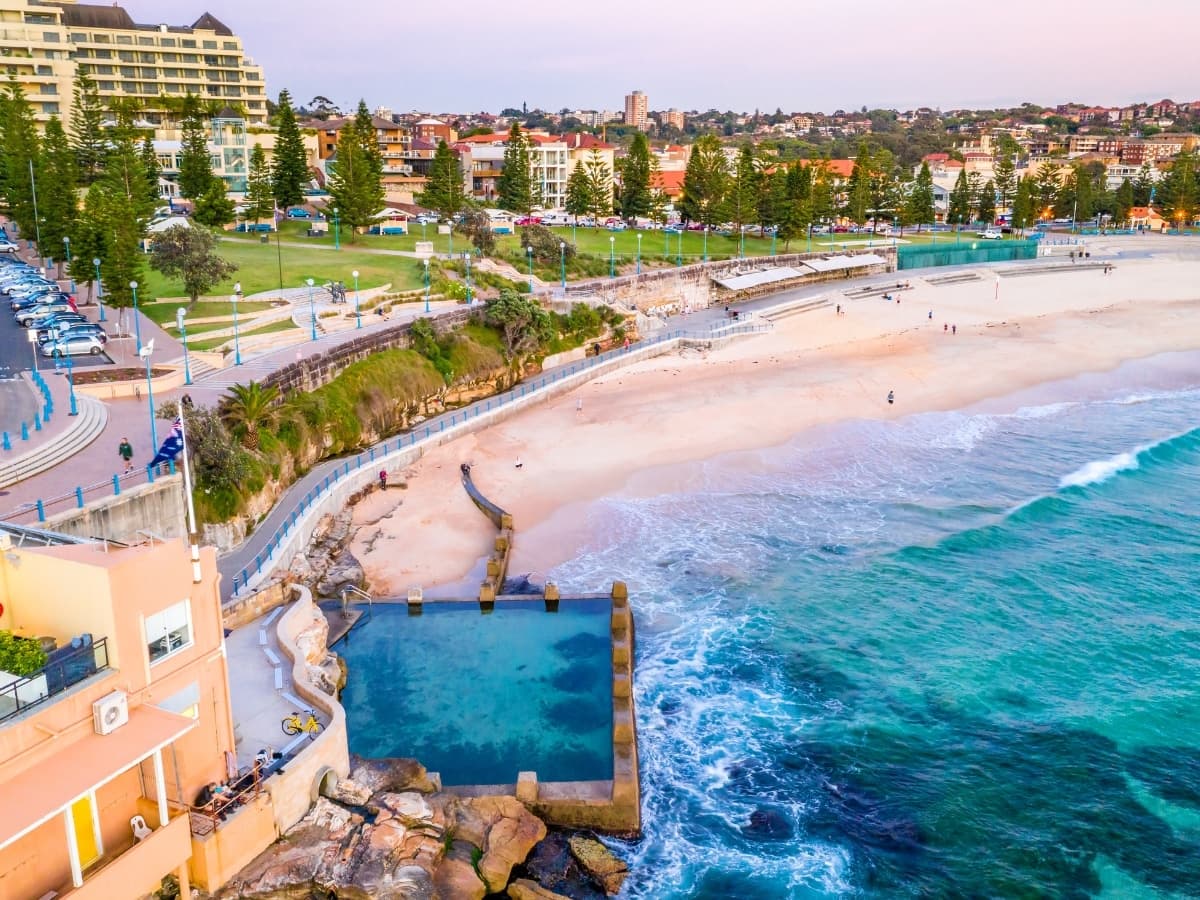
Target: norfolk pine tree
(705,182)
(743,190)
(87,131)
(123,210)
(444,192)
(57,202)
(960,200)
(260,201)
(195,163)
(919,203)
(987,204)
(150,168)
(20,143)
(515,185)
(356,183)
(579,198)
(599,185)
(289,169)
(635,178)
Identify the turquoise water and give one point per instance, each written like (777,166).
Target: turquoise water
(955,655)
(480,697)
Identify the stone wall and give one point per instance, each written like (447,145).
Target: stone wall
(157,509)
(312,372)
(252,606)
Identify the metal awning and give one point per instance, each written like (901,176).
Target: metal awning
(762,276)
(33,796)
(838,263)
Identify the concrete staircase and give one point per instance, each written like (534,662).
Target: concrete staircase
(84,428)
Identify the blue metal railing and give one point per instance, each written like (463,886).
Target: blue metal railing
(461,416)
(56,676)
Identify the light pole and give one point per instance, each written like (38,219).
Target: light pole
(467,259)
(312,309)
(337,231)
(187,366)
(71,381)
(99,287)
(679,258)
(706,243)
(612,256)
(237,347)
(357,311)
(450,241)
(639,253)
(426,261)
(144,353)
(529,254)
(137,327)
(562,263)
(67,252)
(773,234)
(742,242)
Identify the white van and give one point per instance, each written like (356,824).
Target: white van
(555,219)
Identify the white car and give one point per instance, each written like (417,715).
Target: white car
(992,234)
(8,247)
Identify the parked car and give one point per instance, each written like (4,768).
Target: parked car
(80,329)
(25,316)
(673,228)
(991,234)
(617,226)
(84,345)
(298,213)
(49,327)
(30,290)
(529,220)
(7,246)
(46,295)
(695,226)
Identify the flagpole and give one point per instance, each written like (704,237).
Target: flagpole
(191,506)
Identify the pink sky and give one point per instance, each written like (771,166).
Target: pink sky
(801,56)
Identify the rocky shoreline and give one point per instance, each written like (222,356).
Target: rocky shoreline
(389,832)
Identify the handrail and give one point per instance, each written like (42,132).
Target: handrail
(351,589)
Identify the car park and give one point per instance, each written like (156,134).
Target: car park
(83,345)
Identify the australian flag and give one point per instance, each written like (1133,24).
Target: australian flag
(171,446)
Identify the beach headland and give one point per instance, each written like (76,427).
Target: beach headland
(635,427)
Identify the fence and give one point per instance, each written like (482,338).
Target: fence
(84,494)
(923,256)
(65,668)
(435,429)
(40,417)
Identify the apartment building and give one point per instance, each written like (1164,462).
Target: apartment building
(104,750)
(674,118)
(406,156)
(551,161)
(637,110)
(45,43)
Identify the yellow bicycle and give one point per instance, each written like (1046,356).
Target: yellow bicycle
(293,724)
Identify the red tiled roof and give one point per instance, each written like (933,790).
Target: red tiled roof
(842,168)
(670,183)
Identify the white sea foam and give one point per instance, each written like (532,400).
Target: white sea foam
(1099,470)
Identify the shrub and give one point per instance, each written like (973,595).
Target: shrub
(19,655)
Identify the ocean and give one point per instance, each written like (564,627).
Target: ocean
(954,654)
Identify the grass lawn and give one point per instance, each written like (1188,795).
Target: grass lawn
(213,343)
(163,313)
(258,269)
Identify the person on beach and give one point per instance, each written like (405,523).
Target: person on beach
(579,405)
(954,329)
(519,463)
(891,397)
(383,479)
(931,315)
(125,451)
(186,400)
(839,309)
(945,326)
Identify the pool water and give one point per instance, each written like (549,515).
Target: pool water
(479,697)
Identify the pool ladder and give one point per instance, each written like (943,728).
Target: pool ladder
(349,591)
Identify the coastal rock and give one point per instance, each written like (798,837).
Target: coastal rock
(393,774)
(345,571)
(499,826)
(455,878)
(769,824)
(350,792)
(524,889)
(599,862)
(300,568)
(553,867)
(312,639)
(327,675)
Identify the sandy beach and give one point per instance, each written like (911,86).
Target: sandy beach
(637,425)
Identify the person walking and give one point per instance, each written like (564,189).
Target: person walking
(891,397)
(125,451)
(383,479)
(931,315)
(954,329)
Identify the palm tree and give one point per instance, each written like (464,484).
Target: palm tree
(249,407)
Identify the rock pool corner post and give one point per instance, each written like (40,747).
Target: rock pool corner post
(626,785)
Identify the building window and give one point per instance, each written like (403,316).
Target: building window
(108,86)
(210,45)
(169,631)
(77,37)
(145,42)
(100,39)
(183,703)
(229,45)
(49,89)
(50,37)
(50,109)
(102,54)
(124,39)
(187,42)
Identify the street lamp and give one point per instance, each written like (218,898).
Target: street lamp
(467,260)
(706,243)
(529,253)
(144,353)
(357,311)
(612,256)
(742,242)
(773,234)
(137,327)
(99,287)
(562,262)
(679,258)
(337,231)
(67,253)
(71,381)
(312,309)
(639,253)
(237,347)
(426,261)
(187,367)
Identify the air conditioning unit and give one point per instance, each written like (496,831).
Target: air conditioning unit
(110,712)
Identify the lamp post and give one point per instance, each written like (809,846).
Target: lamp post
(742,242)
(562,263)
(337,231)
(67,253)
(71,381)
(187,366)
(99,287)
(144,353)
(426,261)
(467,260)
(639,254)
(312,309)
(706,243)
(773,234)
(357,311)
(137,327)
(237,347)
(450,241)
(612,256)
(679,257)
(529,254)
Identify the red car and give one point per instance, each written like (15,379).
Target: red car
(529,220)
(841,229)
